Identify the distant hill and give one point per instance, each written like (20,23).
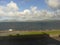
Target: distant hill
(35,25)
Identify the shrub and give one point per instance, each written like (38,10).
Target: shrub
(17,35)
(10,35)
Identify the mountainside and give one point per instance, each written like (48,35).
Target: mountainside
(37,25)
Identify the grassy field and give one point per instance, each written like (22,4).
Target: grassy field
(41,32)
(52,32)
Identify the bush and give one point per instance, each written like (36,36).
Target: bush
(10,35)
(17,35)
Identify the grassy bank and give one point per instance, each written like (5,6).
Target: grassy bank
(52,32)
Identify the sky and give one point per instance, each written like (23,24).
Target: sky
(29,10)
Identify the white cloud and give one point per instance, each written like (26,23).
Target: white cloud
(12,6)
(53,3)
(11,12)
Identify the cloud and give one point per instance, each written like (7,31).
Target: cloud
(11,12)
(53,3)
(12,6)
(9,9)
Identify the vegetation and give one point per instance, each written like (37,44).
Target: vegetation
(14,35)
(37,32)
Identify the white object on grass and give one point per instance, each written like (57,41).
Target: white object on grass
(10,30)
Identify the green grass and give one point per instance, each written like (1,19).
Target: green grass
(39,32)
(53,32)
(30,33)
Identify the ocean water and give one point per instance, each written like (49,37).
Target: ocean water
(39,25)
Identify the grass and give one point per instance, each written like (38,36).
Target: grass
(52,32)
(41,32)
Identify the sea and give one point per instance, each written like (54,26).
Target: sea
(33,25)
